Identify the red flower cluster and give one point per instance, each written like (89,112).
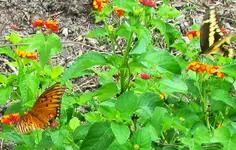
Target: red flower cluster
(192,34)
(150,3)
(100,4)
(10,119)
(120,12)
(200,67)
(24,54)
(145,76)
(49,24)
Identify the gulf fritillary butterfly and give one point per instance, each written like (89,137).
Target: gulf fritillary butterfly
(45,109)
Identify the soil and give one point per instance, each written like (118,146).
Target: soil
(75,22)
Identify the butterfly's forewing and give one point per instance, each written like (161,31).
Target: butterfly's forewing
(212,40)
(46,108)
(210,31)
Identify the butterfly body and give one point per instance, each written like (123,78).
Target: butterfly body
(46,108)
(212,40)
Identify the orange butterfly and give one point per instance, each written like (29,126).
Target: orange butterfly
(45,109)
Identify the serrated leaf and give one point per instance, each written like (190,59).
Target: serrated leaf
(82,63)
(120,131)
(59,136)
(98,139)
(141,138)
(173,85)
(127,102)
(221,95)
(164,60)
(106,91)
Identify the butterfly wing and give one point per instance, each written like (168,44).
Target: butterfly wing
(212,40)
(46,108)
(28,123)
(210,31)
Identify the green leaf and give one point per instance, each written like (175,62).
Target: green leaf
(222,135)
(173,85)
(8,52)
(5,93)
(127,102)
(3,79)
(169,32)
(168,12)
(145,39)
(85,97)
(82,63)
(224,96)
(107,91)
(53,44)
(56,72)
(99,137)
(147,104)
(93,117)
(164,60)
(108,112)
(58,136)
(142,139)
(98,32)
(45,143)
(120,131)
(74,123)
(14,38)
(229,69)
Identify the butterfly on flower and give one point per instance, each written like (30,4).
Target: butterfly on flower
(44,111)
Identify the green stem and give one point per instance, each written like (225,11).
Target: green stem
(124,66)
(204,101)
(72,142)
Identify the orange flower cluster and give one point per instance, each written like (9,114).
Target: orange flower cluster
(200,67)
(120,12)
(49,24)
(24,54)
(150,3)
(100,4)
(163,96)
(10,119)
(192,34)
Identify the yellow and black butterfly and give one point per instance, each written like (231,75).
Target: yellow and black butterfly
(212,40)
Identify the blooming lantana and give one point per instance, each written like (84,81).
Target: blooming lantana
(100,4)
(145,76)
(200,67)
(150,3)
(163,96)
(192,34)
(49,24)
(10,119)
(38,23)
(120,12)
(24,54)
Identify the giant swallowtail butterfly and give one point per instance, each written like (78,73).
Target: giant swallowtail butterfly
(212,40)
